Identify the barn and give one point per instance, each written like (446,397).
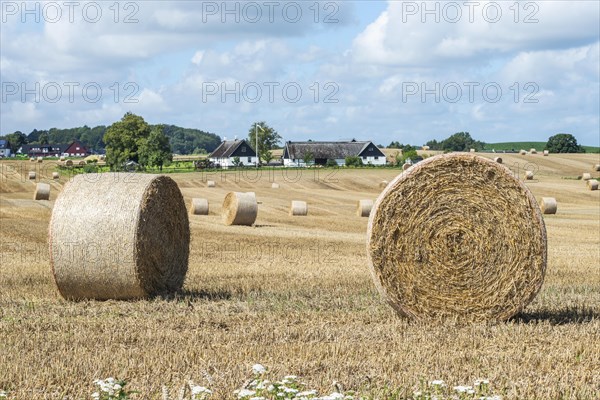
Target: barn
(295,153)
(230,151)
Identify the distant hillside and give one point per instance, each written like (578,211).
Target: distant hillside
(183,140)
(516,146)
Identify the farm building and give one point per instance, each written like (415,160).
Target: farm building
(75,149)
(4,148)
(295,153)
(228,152)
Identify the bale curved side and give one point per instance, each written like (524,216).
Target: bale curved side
(31,175)
(119,236)
(298,208)
(364,207)
(42,191)
(199,206)
(55,175)
(529,175)
(441,240)
(548,205)
(586,176)
(211,184)
(597,167)
(239,209)
(592,184)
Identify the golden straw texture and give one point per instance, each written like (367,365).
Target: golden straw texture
(239,209)
(119,236)
(548,205)
(42,191)
(364,207)
(457,236)
(199,207)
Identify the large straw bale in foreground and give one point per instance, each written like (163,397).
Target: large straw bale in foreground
(548,205)
(199,206)
(42,191)
(239,209)
(119,236)
(457,236)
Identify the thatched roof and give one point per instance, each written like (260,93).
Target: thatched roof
(327,150)
(227,149)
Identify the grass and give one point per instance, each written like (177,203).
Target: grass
(296,296)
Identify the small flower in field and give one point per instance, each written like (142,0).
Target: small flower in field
(463,389)
(334,396)
(263,385)
(438,382)
(258,369)
(257,398)
(306,393)
(199,392)
(3,394)
(271,388)
(480,382)
(95,395)
(243,393)
(491,398)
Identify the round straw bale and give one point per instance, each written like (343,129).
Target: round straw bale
(498,160)
(523,152)
(441,240)
(299,208)
(275,185)
(211,184)
(546,152)
(383,184)
(69,163)
(239,209)
(406,166)
(425,148)
(31,175)
(40,159)
(548,205)
(55,175)
(32,159)
(597,167)
(472,150)
(529,175)
(586,176)
(533,151)
(364,207)
(62,158)
(42,191)
(199,207)
(592,184)
(81,163)
(139,244)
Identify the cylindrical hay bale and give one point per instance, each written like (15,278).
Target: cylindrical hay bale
(81,163)
(592,184)
(139,244)
(211,184)
(406,166)
(31,175)
(533,151)
(472,150)
(548,205)
(42,191)
(383,184)
(32,159)
(597,167)
(546,152)
(55,175)
(425,148)
(522,152)
(62,158)
(69,163)
(299,208)
(239,209)
(199,207)
(529,175)
(586,176)
(275,185)
(441,241)
(498,160)
(40,159)
(364,207)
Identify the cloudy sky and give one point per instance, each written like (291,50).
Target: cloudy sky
(321,70)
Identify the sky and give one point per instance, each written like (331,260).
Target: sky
(322,70)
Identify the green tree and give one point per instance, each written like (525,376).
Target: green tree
(123,139)
(461,141)
(308,158)
(353,161)
(268,138)
(236,161)
(563,143)
(402,158)
(16,140)
(155,150)
(44,138)
(331,163)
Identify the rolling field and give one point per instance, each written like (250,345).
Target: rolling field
(295,294)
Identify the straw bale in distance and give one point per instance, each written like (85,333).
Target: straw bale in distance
(55,175)
(472,150)
(592,184)
(40,159)
(69,163)
(529,175)
(62,158)
(42,191)
(523,152)
(597,167)
(211,184)
(533,151)
(425,148)
(139,244)
(31,175)
(548,205)
(498,160)
(239,209)
(364,207)
(298,208)
(199,206)
(406,166)
(32,159)
(586,176)
(383,184)
(441,240)
(546,152)
(275,185)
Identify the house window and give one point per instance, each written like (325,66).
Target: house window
(377,157)
(76,148)
(370,149)
(364,157)
(249,159)
(243,149)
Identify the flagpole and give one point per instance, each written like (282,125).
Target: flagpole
(256,139)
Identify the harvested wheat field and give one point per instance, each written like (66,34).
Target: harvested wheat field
(296,295)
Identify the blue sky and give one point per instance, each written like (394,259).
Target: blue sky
(321,70)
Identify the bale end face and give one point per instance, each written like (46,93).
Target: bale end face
(548,205)
(239,209)
(498,160)
(363,208)
(211,184)
(586,176)
(529,175)
(42,191)
(298,208)
(592,184)
(429,259)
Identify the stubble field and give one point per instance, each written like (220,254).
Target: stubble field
(295,294)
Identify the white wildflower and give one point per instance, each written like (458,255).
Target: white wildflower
(462,389)
(480,382)
(245,393)
(438,382)
(258,369)
(307,393)
(95,395)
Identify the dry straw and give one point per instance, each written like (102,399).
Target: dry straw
(364,207)
(239,209)
(383,184)
(586,176)
(298,208)
(275,185)
(211,184)
(199,207)
(31,175)
(119,236)
(42,191)
(55,175)
(546,152)
(498,160)
(523,152)
(597,167)
(529,175)
(592,184)
(533,151)
(548,205)
(457,236)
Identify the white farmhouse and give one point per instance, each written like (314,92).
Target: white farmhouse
(295,153)
(229,151)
